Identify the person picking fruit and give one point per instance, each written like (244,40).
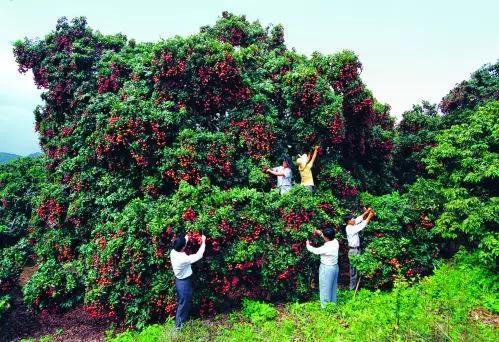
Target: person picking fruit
(328,269)
(305,164)
(353,227)
(284,175)
(181,265)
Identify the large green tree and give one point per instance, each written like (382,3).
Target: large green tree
(465,163)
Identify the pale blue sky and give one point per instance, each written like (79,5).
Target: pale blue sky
(411,50)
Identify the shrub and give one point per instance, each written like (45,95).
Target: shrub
(254,250)
(398,241)
(53,287)
(12,259)
(20,182)
(258,312)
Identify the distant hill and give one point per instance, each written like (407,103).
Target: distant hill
(36,154)
(5,157)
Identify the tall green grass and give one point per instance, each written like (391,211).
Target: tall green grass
(447,306)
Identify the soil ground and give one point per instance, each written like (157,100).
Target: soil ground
(72,326)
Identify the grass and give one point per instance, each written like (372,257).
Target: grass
(447,306)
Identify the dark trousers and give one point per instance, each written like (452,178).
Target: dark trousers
(353,272)
(184,300)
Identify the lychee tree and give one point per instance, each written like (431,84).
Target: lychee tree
(146,140)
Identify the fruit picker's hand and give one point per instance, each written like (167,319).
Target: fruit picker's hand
(203,238)
(370,216)
(318,232)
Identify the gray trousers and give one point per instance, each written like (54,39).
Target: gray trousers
(184,300)
(353,271)
(284,188)
(328,283)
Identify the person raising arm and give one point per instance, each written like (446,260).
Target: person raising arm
(364,215)
(328,269)
(353,228)
(305,163)
(314,156)
(181,265)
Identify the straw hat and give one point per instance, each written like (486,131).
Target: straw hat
(302,160)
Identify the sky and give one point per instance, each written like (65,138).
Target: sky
(410,50)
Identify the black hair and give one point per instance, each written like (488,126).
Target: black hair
(348,217)
(287,160)
(291,165)
(329,233)
(179,243)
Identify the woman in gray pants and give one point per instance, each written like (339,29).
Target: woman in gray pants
(328,269)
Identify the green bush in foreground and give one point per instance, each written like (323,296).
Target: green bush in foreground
(437,309)
(258,312)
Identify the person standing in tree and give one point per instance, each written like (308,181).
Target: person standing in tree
(305,164)
(181,264)
(328,269)
(354,225)
(284,176)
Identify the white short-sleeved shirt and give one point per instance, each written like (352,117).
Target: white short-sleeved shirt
(353,232)
(283,180)
(181,262)
(328,252)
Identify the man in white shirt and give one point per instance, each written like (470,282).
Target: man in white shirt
(353,228)
(181,264)
(328,269)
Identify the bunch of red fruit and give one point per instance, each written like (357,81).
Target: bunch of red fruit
(234,36)
(258,137)
(307,97)
(111,83)
(169,74)
(337,130)
(220,160)
(51,212)
(349,74)
(220,87)
(189,215)
(294,220)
